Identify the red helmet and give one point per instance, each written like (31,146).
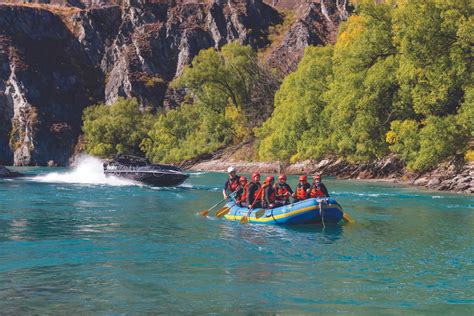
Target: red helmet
(243,179)
(303,178)
(317,177)
(255,174)
(282,177)
(269,179)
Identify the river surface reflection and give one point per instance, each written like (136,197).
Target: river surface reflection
(90,246)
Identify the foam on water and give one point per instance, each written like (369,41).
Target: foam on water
(89,170)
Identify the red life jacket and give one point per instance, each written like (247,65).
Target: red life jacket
(234,184)
(271,196)
(300,192)
(245,192)
(316,192)
(258,193)
(281,189)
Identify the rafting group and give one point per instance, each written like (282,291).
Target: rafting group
(270,194)
(269,203)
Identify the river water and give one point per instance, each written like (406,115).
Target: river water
(73,241)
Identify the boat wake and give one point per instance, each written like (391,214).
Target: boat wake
(89,170)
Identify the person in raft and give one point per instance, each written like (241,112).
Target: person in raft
(318,189)
(242,192)
(302,189)
(282,191)
(269,196)
(254,194)
(232,183)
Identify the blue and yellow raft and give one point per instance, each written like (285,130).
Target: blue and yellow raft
(310,211)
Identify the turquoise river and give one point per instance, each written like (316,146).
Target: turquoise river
(72,241)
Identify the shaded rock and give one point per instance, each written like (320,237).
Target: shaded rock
(47,81)
(317,24)
(56,61)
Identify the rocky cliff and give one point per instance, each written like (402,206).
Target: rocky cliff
(57,59)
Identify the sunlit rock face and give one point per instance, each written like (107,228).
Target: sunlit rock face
(55,60)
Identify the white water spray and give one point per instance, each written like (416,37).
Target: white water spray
(89,170)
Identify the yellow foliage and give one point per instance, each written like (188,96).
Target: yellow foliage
(469,156)
(391,137)
(295,158)
(239,122)
(355,26)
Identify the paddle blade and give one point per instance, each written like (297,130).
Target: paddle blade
(259,213)
(348,218)
(222,212)
(244,219)
(204,212)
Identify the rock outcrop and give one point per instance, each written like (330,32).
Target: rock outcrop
(57,59)
(56,62)
(454,176)
(316,24)
(46,80)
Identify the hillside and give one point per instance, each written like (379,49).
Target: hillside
(58,59)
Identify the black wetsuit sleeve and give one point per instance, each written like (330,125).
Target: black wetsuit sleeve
(226,186)
(267,193)
(324,189)
(289,188)
(251,193)
(238,192)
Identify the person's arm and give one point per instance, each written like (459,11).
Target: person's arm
(324,189)
(250,194)
(238,193)
(294,193)
(289,188)
(278,196)
(224,192)
(265,196)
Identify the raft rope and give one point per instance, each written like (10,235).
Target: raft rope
(321,213)
(276,222)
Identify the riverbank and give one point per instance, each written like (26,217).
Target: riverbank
(454,175)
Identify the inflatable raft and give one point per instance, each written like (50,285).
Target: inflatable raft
(310,211)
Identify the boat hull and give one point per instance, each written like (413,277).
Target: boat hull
(301,213)
(151,178)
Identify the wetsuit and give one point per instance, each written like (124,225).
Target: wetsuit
(282,193)
(253,189)
(241,195)
(301,190)
(268,199)
(318,190)
(231,185)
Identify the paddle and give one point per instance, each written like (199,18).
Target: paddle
(348,218)
(245,218)
(223,211)
(206,212)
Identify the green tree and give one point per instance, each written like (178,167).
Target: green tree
(434,40)
(294,127)
(230,77)
(118,128)
(186,133)
(400,64)
(361,96)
